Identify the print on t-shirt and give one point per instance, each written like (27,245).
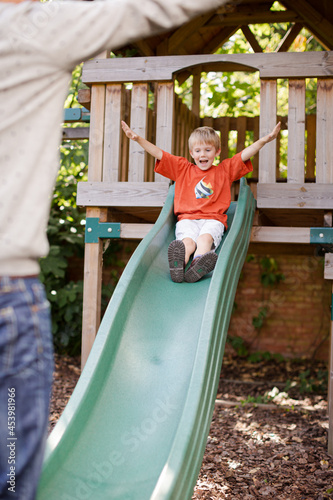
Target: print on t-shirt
(203,190)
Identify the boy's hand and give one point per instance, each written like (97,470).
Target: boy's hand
(273,135)
(250,151)
(146,145)
(129,132)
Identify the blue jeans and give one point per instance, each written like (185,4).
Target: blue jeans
(26,371)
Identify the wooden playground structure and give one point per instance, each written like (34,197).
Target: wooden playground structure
(123,196)
(122,187)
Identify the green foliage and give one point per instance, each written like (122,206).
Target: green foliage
(230,94)
(255,400)
(270,275)
(258,356)
(238,344)
(76,84)
(258,321)
(66,237)
(310,384)
(241,349)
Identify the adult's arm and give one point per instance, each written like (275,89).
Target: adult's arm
(72,31)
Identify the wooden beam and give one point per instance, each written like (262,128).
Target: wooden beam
(84,97)
(218,123)
(314,20)
(290,36)
(133,231)
(252,16)
(144,48)
(122,194)
(218,40)
(270,65)
(275,234)
(309,195)
(74,134)
(251,39)
(162,48)
(185,31)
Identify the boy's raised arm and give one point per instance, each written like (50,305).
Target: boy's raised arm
(146,145)
(250,151)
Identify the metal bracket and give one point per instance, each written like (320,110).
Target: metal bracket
(96,230)
(321,235)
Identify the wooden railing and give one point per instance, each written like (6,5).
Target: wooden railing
(154,112)
(310,148)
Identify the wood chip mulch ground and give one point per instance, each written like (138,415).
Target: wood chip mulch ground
(268,437)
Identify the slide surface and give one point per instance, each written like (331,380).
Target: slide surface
(137,423)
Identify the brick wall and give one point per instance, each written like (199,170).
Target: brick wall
(298,309)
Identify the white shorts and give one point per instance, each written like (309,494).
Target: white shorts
(188,228)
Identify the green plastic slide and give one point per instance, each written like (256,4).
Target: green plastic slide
(137,423)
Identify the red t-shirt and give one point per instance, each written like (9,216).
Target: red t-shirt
(202,194)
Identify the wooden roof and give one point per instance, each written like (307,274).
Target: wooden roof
(205,34)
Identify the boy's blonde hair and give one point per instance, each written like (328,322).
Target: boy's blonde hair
(206,135)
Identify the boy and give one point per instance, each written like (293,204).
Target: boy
(202,197)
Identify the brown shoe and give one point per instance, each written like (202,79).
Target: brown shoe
(200,267)
(176,258)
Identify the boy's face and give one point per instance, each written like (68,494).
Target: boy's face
(204,155)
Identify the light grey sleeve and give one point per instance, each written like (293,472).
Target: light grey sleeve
(72,31)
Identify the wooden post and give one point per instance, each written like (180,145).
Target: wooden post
(93,251)
(224,131)
(241,133)
(255,159)
(328,274)
(296,131)
(268,113)
(92,288)
(164,120)
(139,116)
(324,149)
(330,387)
(112,133)
(196,91)
(311,146)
